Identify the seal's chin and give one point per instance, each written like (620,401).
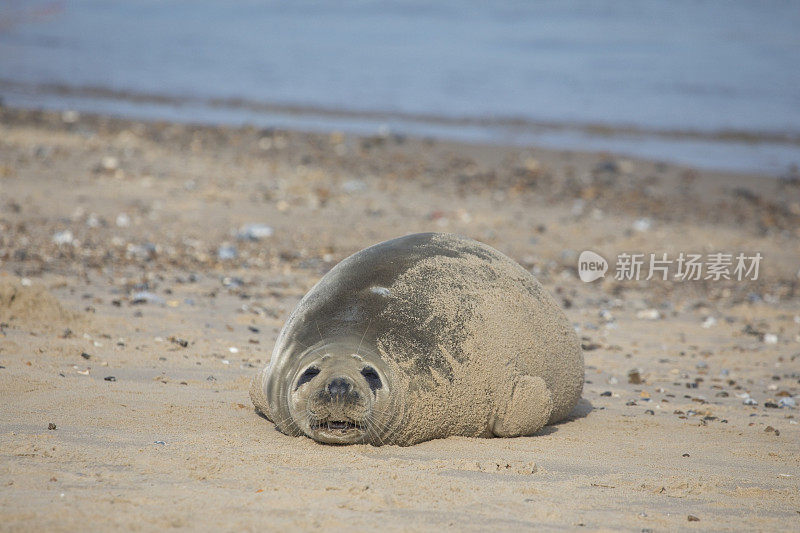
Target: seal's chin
(336,431)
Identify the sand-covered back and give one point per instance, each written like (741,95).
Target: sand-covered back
(492,324)
(686,409)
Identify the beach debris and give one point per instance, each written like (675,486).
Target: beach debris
(750,401)
(787,402)
(144,251)
(183,343)
(233,349)
(123,220)
(770,338)
(642,224)
(109,163)
(161,442)
(709,322)
(63,237)
(634,376)
(226,252)
(70,116)
(648,314)
(145,297)
(748,329)
(354,186)
(51,426)
(692,518)
(254,232)
(110,378)
(93,221)
(232,282)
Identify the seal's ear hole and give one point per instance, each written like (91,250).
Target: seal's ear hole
(307,376)
(372,377)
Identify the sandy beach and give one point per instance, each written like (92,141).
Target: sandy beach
(137,300)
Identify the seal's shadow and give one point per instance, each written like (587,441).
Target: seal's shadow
(581,410)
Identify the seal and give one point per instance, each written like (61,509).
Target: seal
(422,337)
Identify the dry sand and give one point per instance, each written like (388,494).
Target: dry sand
(135,342)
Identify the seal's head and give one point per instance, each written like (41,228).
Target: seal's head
(340,395)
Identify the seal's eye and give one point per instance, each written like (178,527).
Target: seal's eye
(372,377)
(307,376)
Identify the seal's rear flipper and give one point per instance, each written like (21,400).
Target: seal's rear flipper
(527,410)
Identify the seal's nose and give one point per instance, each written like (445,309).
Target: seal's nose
(338,387)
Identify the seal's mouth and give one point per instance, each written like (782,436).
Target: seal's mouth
(334,425)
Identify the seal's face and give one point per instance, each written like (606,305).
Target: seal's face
(340,397)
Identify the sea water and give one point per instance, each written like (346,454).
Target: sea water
(708,83)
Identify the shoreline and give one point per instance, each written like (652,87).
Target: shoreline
(718,149)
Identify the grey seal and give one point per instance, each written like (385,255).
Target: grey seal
(422,337)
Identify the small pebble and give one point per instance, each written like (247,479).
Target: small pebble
(226,252)
(709,322)
(123,220)
(255,232)
(606,393)
(110,378)
(692,518)
(144,297)
(63,237)
(86,355)
(183,343)
(787,402)
(109,163)
(648,314)
(634,377)
(51,426)
(642,224)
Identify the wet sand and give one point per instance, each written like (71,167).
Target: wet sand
(133,317)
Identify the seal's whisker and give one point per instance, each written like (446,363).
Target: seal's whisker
(364,335)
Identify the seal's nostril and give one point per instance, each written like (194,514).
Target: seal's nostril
(338,387)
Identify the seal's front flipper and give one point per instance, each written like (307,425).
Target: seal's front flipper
(257,395)
(527,409)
